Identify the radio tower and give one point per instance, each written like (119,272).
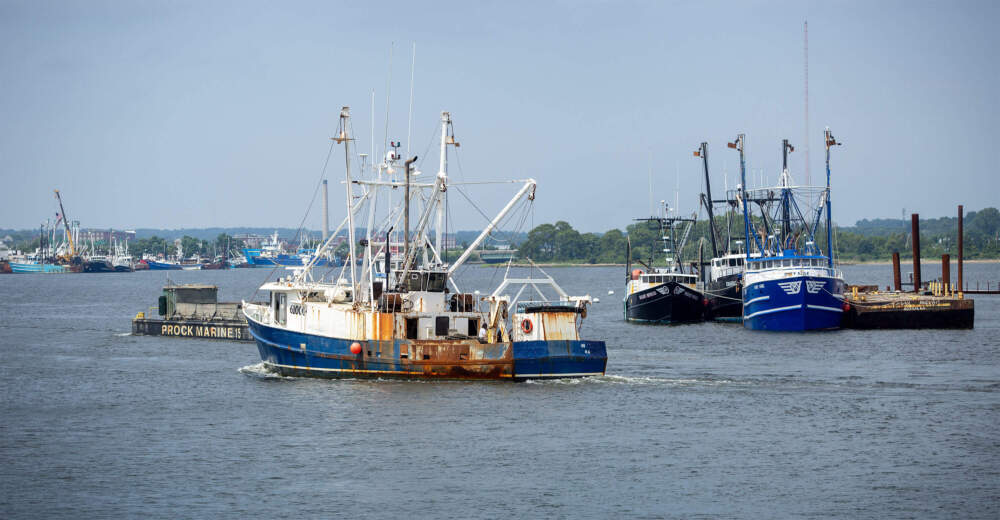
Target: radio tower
(806,140)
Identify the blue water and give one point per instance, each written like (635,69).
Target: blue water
(703,420)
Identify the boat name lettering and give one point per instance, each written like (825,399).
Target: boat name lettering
(297,308)
(201,331)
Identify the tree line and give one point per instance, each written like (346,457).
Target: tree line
(867,241)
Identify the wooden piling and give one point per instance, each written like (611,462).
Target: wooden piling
(960,257)
(897,281)
(946,272)
(915,231)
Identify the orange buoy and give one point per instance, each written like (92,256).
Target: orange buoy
(636,273)
(355,348)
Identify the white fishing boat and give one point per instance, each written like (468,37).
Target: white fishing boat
(410,319)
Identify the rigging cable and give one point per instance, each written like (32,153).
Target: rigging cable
(322,174)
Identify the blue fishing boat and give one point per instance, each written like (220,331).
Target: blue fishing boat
(409,319)
(36,266)
(270,254)
(789,284)
(165,265)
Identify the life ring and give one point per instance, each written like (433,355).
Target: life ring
(527,326)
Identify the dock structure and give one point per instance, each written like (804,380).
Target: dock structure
(193,311)
(936,304)
(905,310)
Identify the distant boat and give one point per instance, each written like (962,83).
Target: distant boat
(165,265)
(271,255)
(98,264)
(32,264)
(218,263)
(498,256)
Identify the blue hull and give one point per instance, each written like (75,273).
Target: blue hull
(255,259)
(559,359)
(300,354)
(18,267)
(797,303)
(161,266)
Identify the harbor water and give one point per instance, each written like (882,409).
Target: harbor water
(704,420)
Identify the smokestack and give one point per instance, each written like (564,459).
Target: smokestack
(326,213)
(915,227)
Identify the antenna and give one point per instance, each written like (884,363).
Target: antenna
(677,187)
(388,90)
(649,155)
(409,122)
(808,176)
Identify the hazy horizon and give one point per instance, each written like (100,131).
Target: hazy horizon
(217,114)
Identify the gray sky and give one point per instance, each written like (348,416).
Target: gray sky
(198,114)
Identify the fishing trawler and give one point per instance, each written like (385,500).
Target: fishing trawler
(723,276)
(665,295)
(789,284)
(410,319)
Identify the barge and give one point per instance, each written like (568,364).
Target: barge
(904,310)
(193,311)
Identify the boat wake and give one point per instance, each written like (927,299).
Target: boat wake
(630,380)
(260,371)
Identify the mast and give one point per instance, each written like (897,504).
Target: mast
(703,152)
(786,219)
(806,54)
(830,141)
(738,145)
(447,138)
(406,218)
(443,176)
(342,137)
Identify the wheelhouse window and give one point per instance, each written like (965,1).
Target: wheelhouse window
(412,325)
(441,326)
(279,302)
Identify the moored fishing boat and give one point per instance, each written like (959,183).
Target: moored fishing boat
(36,264)
(162,265)
(98,264)
(665,295)
(412,321)
(723,276)
(790,284)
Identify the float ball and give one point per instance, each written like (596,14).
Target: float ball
(355,348)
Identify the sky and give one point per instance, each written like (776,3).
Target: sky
(171,114)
